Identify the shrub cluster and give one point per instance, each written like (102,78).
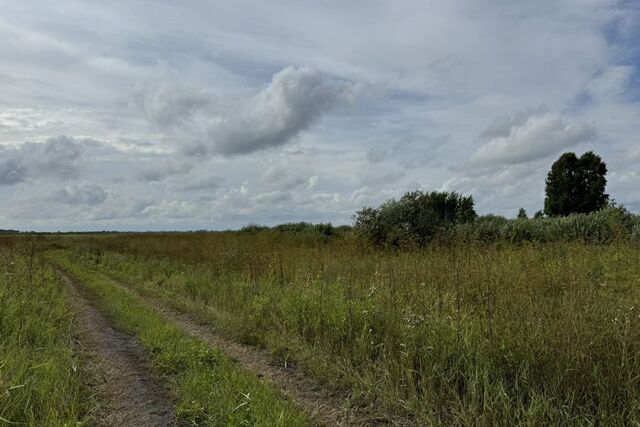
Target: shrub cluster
(605,225)
(413,220)
(300,228)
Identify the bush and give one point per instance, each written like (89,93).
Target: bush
(414,219)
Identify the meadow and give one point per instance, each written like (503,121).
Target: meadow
(458,333)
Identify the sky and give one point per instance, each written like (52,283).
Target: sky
(165,115)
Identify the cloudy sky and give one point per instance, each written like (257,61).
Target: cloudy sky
(151,115)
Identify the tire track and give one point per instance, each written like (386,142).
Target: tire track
(127,392)
(324,406)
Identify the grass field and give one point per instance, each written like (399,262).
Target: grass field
(459,334)
(456,334)
(39,383)
(44,380)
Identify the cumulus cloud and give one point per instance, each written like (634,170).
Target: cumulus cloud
(87,194)
(170,105)
(501,127)
(56,158)
(529,136)
(295,99)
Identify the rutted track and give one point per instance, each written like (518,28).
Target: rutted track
(128,393)
(324,406)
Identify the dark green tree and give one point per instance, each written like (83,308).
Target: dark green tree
(522,214)
(576,185)
(593,173)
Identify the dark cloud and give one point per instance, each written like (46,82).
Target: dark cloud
(12,169)
(160,171)
(57,158)
(376,155)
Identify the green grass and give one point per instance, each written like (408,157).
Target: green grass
(39,380)
(496,334)
(208,388)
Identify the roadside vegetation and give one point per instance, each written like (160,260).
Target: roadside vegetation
(39,379)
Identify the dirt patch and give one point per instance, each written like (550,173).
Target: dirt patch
(324,406)
(127,394)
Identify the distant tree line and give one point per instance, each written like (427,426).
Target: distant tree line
(321,229)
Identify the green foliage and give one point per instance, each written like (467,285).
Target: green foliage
(414,219)
(522,214)
(576,185)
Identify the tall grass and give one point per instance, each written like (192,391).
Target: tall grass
(603,226)
(459,334)
(39,384)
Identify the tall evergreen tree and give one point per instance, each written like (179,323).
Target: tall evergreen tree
(576,185)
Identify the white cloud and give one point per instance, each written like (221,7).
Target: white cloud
(527,137)
(293,101)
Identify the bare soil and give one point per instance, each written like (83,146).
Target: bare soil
(126,393)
